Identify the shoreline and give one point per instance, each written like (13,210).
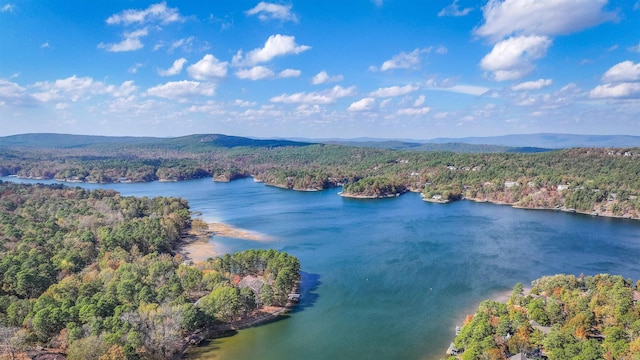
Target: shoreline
(197,246)
(513,205)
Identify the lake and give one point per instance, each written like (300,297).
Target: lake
(391,278)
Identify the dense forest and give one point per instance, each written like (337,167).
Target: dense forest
(563,317)
(95,274)
(591,180)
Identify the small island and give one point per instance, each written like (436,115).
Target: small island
(560,317)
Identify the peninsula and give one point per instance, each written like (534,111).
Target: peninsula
(91,273)
(562,317)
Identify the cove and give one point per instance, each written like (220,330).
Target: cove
(390,278)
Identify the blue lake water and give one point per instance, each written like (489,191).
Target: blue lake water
(390,279)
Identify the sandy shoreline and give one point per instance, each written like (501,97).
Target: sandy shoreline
(197,245)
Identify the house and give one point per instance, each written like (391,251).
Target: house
(519,356)
(563,187)
(293,297)
(544,329)
(252,283)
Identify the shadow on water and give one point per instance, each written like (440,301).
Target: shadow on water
(309,284)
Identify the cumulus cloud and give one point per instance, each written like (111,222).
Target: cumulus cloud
(208,68)
(532,85)
(14,94)
(621,91)
(267,11)
(175,69)
(419,101)
(522,30)
(505,18)
(621,81)
(414,111)
(154,13)
(182,89)
(454,10)
(131,42)
(275,46)
(362,104)
(329,96)
(289,73)
(124,90)
(405,60)
(393,91)
(625,71)
(72,88)
(323,77)
(255,73)
(513,58)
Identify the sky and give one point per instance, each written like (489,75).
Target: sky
(394,69)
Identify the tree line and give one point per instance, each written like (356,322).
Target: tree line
(603,181)
(95,274)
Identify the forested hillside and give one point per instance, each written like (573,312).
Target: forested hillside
(563,317)
(591,180)
(93,273)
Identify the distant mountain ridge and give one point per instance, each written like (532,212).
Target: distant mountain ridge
(549,140)
(505,143)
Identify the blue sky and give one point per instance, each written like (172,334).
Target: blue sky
(318,69)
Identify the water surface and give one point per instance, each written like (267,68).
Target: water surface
(390,279)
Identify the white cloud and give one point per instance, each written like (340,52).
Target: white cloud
(255,73)
(453,10)
(182,89)
(126,89)
(209,67)
(44,45)
(154,13)
(377,3)
(175,69)
(8,8)
(620,91)
(468,89)
(323,78)
(414,111)
(625,71)
(533,85)
(131,42)
(505,18)
(289,73)
(329,96)
(635,48)
(14,94)
(621,81)
(267,11)
(135,67)
(276,45)
(402,60)
(393,91)
(419,101)
(513,58)
(184,43)
(73,88)
(362,104)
